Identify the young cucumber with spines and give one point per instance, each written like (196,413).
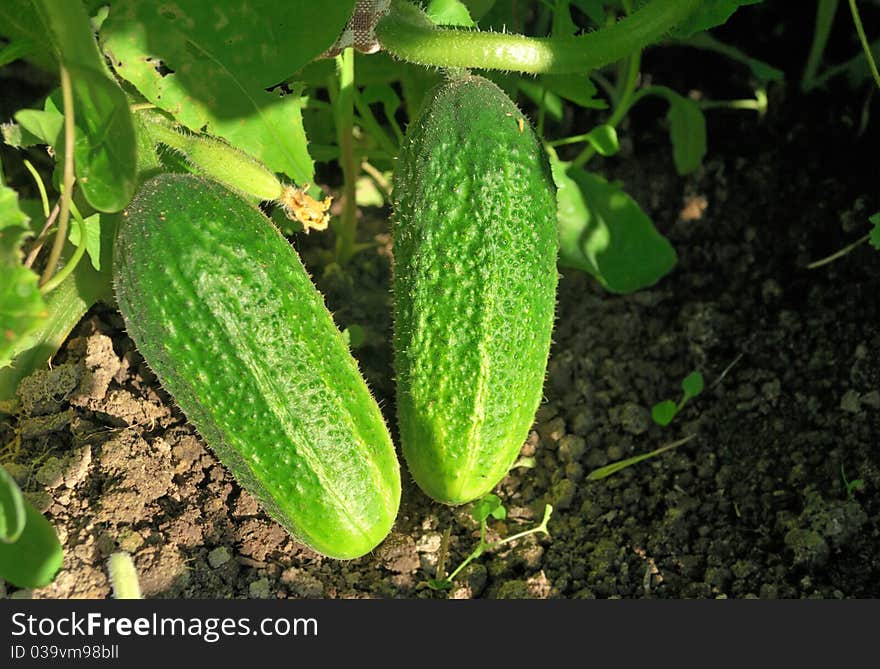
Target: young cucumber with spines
(475,279)
(225,314)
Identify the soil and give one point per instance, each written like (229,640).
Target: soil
(754,505)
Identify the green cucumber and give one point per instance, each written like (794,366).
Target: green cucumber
(475,248)
(225,314)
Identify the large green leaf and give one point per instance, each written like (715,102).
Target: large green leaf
(35,557)
(603,231)
(210,64)
(105,153)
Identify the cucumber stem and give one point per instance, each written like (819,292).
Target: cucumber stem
(216,159)
(407,33)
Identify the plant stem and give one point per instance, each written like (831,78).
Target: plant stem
(407,33)
(485,546)
(866,47)
(825,11)
(344,105)
(69,268)
(67,195)
(44,198)
(626,98)
(839,254)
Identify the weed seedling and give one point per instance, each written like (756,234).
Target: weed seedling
(851,487)
(664,412)
(614,467)
(484,508)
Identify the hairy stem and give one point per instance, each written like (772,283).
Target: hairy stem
(407,33)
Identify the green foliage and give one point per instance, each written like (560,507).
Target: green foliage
(21,306)
(489,506)
(244,75)
(210,68)
(851,487)
(687,130)
(604,232)
(663,413)
(710,14)
(12,513)
(30,553)
(105,144)
(875,230)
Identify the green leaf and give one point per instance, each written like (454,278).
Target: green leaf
(709,14)
(563,25)
(439,584)
(577,88)
(692,385)
(478,8)
(603,231)
(210,66)
(40,126)
(544,98)
(21,305)
(17,49)
(105,153)
(603,138)
(35,557)
(763,72)
(875,233)
(449,13)
(12,513)
(384,94)
(490,505)
(594,9)
(687,130)
(19,22)
(92,240)
(663,412)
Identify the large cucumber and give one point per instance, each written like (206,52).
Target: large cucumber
(474,287)
(225,314)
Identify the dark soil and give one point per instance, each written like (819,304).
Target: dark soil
(753,506)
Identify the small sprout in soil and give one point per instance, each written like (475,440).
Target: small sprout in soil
(484,508)
(873,238)
(614,467)
(664,412)
(123,576)
(851,487)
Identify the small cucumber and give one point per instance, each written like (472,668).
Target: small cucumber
(475,279)
(225,314)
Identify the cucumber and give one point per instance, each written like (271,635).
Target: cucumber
(475,247)
(225,314)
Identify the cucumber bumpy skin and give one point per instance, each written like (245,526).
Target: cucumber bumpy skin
(475,279)
(225,314)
